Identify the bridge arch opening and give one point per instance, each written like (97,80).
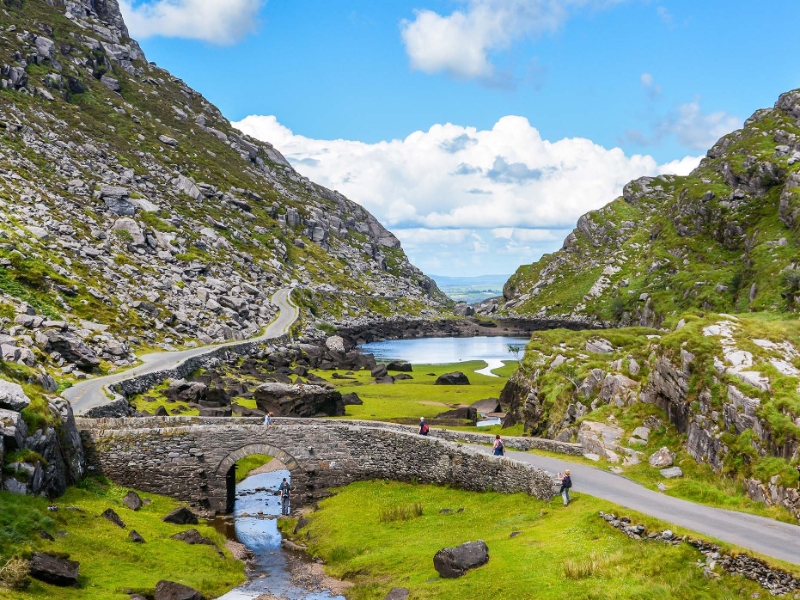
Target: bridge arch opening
(227,467)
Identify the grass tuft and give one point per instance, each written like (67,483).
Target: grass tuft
(401,513)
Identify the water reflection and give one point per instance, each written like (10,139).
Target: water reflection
(433,351)
(256,526)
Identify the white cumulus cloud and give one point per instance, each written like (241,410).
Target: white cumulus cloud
(218,22)
(698,130)
(461,43)
(458,196)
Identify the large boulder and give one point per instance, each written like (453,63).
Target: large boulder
(379,371)
(335,343)
(12,397)
(113,517)
(181,516)
(455,562)
(399,365)
(454,378)
(53,570)
(599,346)
(487,406)
(661,458)
(169,590)
(351,399)
(462,412)
(132,500)
(292,400)
(69,346)
(186,391)
(12,429)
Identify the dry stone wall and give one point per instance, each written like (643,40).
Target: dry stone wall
(190,458)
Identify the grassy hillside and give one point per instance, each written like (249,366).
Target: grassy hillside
(722,239)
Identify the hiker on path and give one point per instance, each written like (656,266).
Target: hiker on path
(499,447)
(423,426)
(284,490)
(566,484)
(268,419)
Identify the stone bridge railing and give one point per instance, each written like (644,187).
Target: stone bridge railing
(192,458)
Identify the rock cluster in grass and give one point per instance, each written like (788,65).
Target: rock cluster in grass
(777,581)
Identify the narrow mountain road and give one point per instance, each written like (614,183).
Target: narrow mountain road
(759,534)
(90,393)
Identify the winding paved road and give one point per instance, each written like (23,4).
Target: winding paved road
(90,393)
(759,534)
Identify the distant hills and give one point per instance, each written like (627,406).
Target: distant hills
(471,289)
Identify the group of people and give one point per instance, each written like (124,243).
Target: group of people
(499,449)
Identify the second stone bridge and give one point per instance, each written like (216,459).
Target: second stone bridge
(193,458)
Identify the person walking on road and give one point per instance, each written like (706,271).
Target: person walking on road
(566,484)
(499,447)
(423,426)
(284,490)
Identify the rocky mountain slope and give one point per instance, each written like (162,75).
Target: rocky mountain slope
(134,215)
(723,238)
(664,265)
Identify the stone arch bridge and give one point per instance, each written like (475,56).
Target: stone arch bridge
(193,458)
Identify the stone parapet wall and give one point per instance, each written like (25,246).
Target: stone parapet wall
(523,444)
(189,458)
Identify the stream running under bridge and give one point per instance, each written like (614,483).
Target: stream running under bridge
(193,459)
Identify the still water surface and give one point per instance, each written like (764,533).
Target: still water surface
(437,351)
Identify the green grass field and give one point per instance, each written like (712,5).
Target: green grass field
(110,563)
(558,553)
(250,463)
(419,397)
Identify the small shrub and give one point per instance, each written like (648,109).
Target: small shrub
(589,566)
(14,574)
(342,554)
(401,513)
(327,328)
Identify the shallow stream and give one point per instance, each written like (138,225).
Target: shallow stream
(255,525)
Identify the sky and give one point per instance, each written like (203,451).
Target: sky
(478,131)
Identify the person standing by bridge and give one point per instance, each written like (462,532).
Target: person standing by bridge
(423,426)
(499,447)
(268,419)
(284,490)
(566,485)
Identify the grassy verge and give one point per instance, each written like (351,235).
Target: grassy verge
(420,397)
(110,563)
(250,463)
(558,552)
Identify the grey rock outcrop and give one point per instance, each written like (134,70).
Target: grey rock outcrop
(287,400)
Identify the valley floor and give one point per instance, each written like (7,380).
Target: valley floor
(555,552)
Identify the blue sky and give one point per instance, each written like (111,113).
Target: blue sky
(335,82)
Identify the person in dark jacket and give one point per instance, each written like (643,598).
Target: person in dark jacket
(284,490)
(566,484)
